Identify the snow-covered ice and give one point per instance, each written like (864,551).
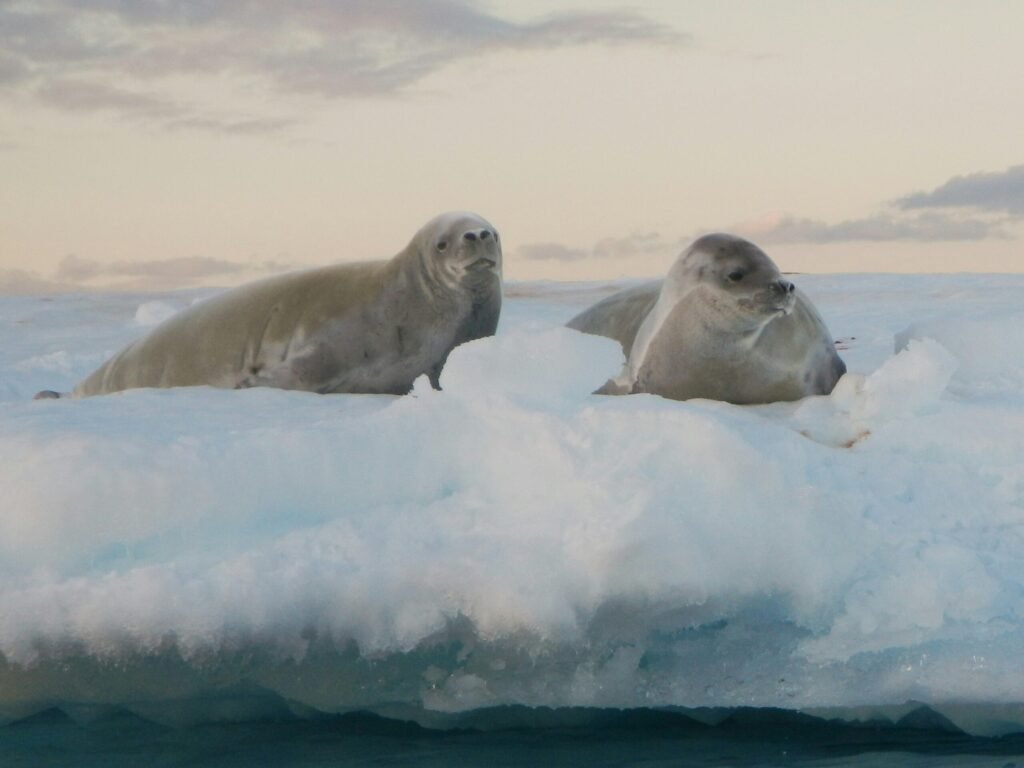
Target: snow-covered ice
(516,539)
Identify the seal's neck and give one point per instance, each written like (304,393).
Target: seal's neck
(423,276)
(721,315)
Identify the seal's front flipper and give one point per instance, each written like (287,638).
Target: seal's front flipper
(614,387)
(47,394)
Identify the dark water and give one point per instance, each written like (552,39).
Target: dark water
(526,738)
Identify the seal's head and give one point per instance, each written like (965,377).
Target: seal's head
(461,249)
(737,271)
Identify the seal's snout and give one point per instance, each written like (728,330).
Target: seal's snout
(781,296)
(484,249)
(784,287)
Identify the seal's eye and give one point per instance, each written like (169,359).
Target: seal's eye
(735,276)
(442,245)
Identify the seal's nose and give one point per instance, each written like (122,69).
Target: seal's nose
(784,286)
(482,234)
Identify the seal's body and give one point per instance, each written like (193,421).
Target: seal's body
(371,327)
(723,325)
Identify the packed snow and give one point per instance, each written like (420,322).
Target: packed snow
(517,539)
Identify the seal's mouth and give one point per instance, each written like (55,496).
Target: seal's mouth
(482,263)
(783,305)
(772,304)
(780,304)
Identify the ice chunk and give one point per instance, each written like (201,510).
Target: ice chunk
(905,385)
(988,350)
(552,366)
(154,312)
(908,384)
(513,539)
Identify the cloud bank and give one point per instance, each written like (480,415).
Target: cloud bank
(999,192)
(124,56)
(963,209)
(922,217)
(880,228)
(631,246)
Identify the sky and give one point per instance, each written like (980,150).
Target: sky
(170,143)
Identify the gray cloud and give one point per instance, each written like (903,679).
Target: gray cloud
(986,193)
(927,227)
(637,244)
(12,70)
(120,55)
(998,191)
(48,34)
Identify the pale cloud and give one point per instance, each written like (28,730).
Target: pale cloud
(779,229)
(240,126)
(551,252)
(631,246)
(85,96)
(926,227)
(998,191)
(75,273)
(20,282)
(636,244)
(123,56)
(180,271)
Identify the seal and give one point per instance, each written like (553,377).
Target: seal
(723,324)
(371,327)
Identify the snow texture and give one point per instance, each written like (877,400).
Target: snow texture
(517,539)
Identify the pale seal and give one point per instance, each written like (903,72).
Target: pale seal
(370,327)
(723,325)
